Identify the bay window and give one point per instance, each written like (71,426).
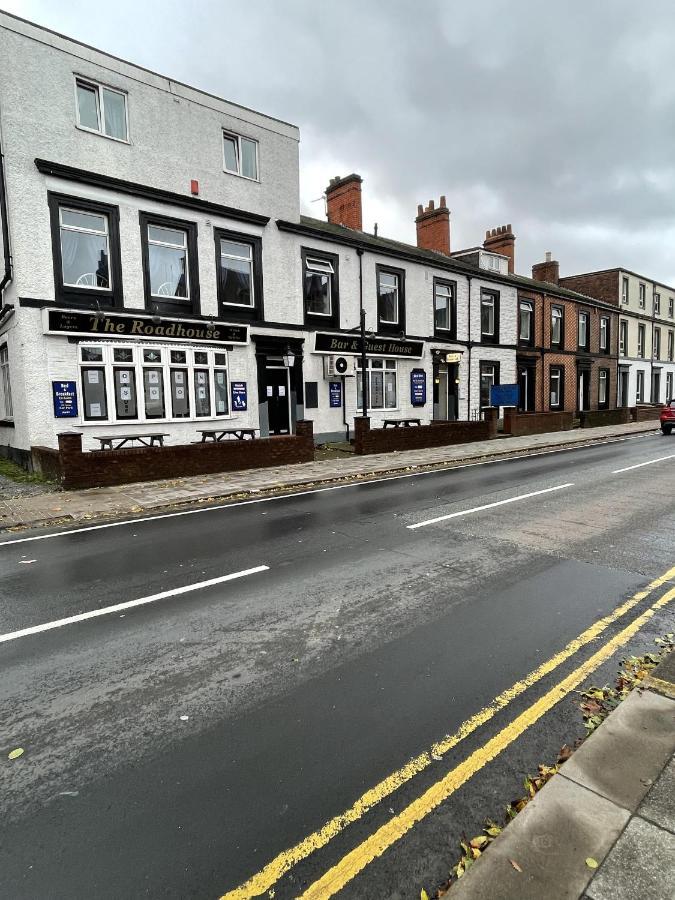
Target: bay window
(152,383)
(382,384)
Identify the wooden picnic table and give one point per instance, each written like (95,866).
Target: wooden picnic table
(147,440)
(220,434)
(398,423)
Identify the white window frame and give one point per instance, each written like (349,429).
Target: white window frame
(99,87)
(642,295)
(108,364)
(555,374)
(6,404)
(388,364)
(526,306)
(623,337)
(488,300)
(671,307)
(445,291)
(397,277)
(639,386)
(656,349)
(586,319)
(249,259)
(239,138)
(669,386)
(641,341)
(320,267)
(67,207)
(153,242)
(557,316)
(671,345)
(657,304)
(625,289)
(604,334)
(603,386)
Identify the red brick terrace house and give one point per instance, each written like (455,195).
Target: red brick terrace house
(568,344)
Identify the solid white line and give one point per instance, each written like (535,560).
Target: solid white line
(334,487)
(640,465)
(466,512)
(130,604)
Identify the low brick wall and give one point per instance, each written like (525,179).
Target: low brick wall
(439,434)
(517,424)
(110,467)
(597,417)
(46,462)
(648,413)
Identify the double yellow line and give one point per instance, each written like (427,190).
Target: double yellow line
(355,861)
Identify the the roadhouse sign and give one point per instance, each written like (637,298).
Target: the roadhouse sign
(87,323)
(351,344)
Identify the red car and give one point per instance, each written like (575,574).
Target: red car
(667,417)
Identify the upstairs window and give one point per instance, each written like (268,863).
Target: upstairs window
(390,300)
(657,343)
(556,326)
(642,295)
(102,109)
(604,334)
(318,286)
(170,264)
(641,341)
(623,338)
(671,346)
(624,290)
(526,322)
(239,273)
(657,304)
(584,335)
(240,155)
(444,307)
(671,307)
(489,316)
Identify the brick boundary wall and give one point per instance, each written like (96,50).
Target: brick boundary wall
(598,417)
(104,468)
(517,424)
(438,434)
(647,413)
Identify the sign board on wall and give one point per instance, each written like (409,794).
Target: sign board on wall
(351,344)
(239,396)
(418,387)
(504,395)
(90,324)
(64,394)
(335,394)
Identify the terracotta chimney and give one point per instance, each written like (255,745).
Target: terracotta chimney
(548,271)
(502,240)
(433,227)
(343,199)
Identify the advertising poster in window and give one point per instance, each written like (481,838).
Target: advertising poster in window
(239,396)
(335,394)
(64,394)
(418,387)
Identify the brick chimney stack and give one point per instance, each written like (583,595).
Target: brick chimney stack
(433,227)
(548,271)
(502,240)
(343,199)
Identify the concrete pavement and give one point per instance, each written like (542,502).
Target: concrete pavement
(133,499)
(613,802)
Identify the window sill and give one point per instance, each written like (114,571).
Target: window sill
(102,134)
(7,423)
(239,175)
(151,423)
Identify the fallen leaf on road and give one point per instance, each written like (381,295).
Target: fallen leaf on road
(15,754)
(478,842)
(591,863)
(515,865)
(424,895)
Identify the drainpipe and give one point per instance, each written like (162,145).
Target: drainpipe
(364,357)
(469,344)
(344,408)
(541,351)
(7,275)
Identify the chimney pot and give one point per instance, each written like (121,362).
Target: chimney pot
(433,227)
(502,240)
(431,205)
(343,201)
(420,209)
(549,256)
(443,203)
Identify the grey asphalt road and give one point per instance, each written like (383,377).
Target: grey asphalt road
(173,749)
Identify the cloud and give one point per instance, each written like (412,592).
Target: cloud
(557,117)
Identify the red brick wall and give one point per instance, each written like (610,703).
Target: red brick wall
(599,417)
(517,424)
(502,240)
(109,467)
(602,285)
(433,227)
(439,434)
(343,200)
(647,413)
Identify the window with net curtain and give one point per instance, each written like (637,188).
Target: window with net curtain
(168,262)
(102,109)
(85,250)
(388,291)
(236,273)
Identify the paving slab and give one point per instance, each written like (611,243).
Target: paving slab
(640,865)
(550,840)
(659,804)
(628,752)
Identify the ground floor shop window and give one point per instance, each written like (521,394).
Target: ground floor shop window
(6,408)
(489,376)
(382,384)
(148,384)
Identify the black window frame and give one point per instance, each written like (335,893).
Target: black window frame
(318,320)
(604,404)
(561,342)
(484,337)
(585,346)
(481,366)
(642,295)
(671,307)
(83,297)
(561,402)
(623,327)
(526,342)
(397,328)
(604,348)
(451,332)
(171,306)
(641,331)
(231,311)
(656,343)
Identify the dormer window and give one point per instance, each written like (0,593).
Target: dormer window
(102,109)
(240,155)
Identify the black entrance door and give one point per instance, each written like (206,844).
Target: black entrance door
(278,401)
(526,383)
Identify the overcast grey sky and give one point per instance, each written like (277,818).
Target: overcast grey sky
(557,116)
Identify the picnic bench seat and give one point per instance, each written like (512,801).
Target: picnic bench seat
(116,441)
(221,434)
(401,423)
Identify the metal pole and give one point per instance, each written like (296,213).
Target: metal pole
(364,361)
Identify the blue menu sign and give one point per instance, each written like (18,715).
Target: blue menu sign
(239,396)
(504,395)
(335,394)
(64,394)
(418,387)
